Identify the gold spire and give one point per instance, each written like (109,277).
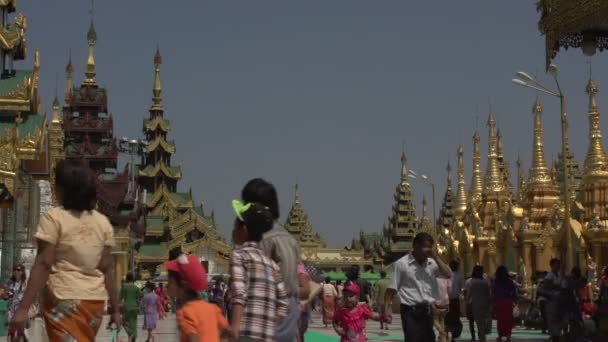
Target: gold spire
(56,117)
(425,209)
(493,180)
(476,182)
(596,162)
(296,199)
(69,70)
(539,172)
(521,179)
(90,72)
(157,90)
(499,146)
(37,59)
(449,171)
(461,194)
(403,168)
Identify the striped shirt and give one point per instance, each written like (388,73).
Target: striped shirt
(280,245)
(258,286)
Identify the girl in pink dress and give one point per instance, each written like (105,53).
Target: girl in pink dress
(349,320)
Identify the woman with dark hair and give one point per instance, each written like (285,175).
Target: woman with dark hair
(477,297)
(74,260)
(279,245)
(505,299)
(16,289)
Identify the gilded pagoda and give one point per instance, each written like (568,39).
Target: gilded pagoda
(397,235)
(525,230)
(28,146)
(173,224)
(314,249)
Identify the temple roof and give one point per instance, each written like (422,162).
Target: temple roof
(169,147)
(173,172)
(9,86)
(153,251)
(157,122)
(155,225)
(179,199)
(17,93)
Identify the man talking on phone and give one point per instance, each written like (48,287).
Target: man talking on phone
(415,281)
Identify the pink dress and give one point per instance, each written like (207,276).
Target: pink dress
(353,322)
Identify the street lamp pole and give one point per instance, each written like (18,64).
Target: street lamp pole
(524,79)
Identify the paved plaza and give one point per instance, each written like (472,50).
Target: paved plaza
(167,331)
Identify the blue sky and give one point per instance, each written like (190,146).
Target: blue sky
(322,92)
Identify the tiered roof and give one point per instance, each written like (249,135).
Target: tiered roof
(299,226)
(173,224)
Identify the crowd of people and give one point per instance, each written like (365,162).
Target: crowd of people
(270,295)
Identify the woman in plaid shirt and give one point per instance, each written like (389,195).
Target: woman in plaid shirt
(259,297)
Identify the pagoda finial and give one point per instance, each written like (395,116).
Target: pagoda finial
(493,180)
(521,177)
(448,169)
(403,167)
(539,172)
(69,70)
(425,210)
(90,71)
(476,182)
(157,89)
(37,59)
(596,161)
(296,198)
(56,117)
(461,193)
(499,145)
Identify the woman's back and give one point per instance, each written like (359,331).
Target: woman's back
(505,289)
(130,294)
(79,239)
(150,302)
(478,291)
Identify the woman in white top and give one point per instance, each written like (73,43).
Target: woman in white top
(329,294)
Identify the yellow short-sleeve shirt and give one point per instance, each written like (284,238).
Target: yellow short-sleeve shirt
(79,239)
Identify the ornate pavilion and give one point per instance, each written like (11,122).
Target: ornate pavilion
(29,145)
(314,249)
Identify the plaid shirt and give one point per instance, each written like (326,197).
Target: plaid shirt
(258,286)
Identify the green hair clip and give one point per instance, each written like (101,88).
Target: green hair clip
(240,208)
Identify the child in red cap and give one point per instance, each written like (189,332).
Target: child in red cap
(259,298)
(196,319)
(349,320)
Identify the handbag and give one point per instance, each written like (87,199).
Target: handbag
(36,331)
(516,312)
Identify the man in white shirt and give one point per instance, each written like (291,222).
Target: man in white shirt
(415,281)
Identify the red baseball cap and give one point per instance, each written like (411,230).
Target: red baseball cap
(353,288)
(191,270)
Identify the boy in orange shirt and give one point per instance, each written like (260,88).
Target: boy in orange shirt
(197,320)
